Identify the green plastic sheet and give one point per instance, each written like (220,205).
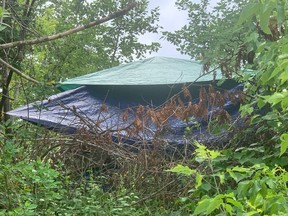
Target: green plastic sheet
(151,71)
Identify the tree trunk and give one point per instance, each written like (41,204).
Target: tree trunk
(5,100)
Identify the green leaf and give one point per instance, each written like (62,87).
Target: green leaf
(271,184)
(260,103)
(276,71)
(285,177)
(264,17)
(251,213)
(228,208)
(246,110)
(235,203)
(284,143)
(215,203)
(221,177)
(185,170)
(240,169)
(202,206)
(214,154)
(206,186)
(239,173)
(284,77)
(275,98)
(243,187)
(283,57)
(254,190)
(202,153)
(271,116)
(248,12)
(280,12)
(199,179)
(30,206)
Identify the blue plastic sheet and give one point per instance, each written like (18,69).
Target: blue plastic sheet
(100,109)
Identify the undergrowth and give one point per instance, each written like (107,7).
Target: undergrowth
(245,179)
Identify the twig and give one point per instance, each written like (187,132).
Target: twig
(18,71)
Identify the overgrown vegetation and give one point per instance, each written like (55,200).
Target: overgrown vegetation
(47,173)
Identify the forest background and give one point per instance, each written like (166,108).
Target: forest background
(44,42)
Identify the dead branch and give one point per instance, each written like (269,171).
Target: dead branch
(111,16)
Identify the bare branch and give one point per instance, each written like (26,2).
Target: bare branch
(111,16)
(18,71)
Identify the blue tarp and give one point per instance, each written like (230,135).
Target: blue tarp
(100,109)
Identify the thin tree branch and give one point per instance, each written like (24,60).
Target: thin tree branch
(30,8)
(111,16)
(18,71)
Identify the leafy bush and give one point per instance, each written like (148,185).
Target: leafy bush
(225,187)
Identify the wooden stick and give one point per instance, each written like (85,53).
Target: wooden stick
(18,71)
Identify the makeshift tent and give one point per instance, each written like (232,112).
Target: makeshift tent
(103,101)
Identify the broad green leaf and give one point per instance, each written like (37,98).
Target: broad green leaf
(284,103)
(235,203)
(284,143)
(275,98)
(228,208)
(251,213)
(237,176)
(264,188)
(254,190)
(243,187)
(264,17)
(200,146)
(248,12)
(214,154)
(271,184)
(285,177)
(276,71)
(280,12)
(199,179)
(202,206)
(283,56)
(271,116)
(215,203)
(260,103)
(239,173)
(206,186)
(202,153)
(265,77)
(185,170)
(284,77)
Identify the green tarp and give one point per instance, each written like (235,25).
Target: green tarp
(151,71)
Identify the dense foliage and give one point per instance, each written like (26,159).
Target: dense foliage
(241,182)
(46,173)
